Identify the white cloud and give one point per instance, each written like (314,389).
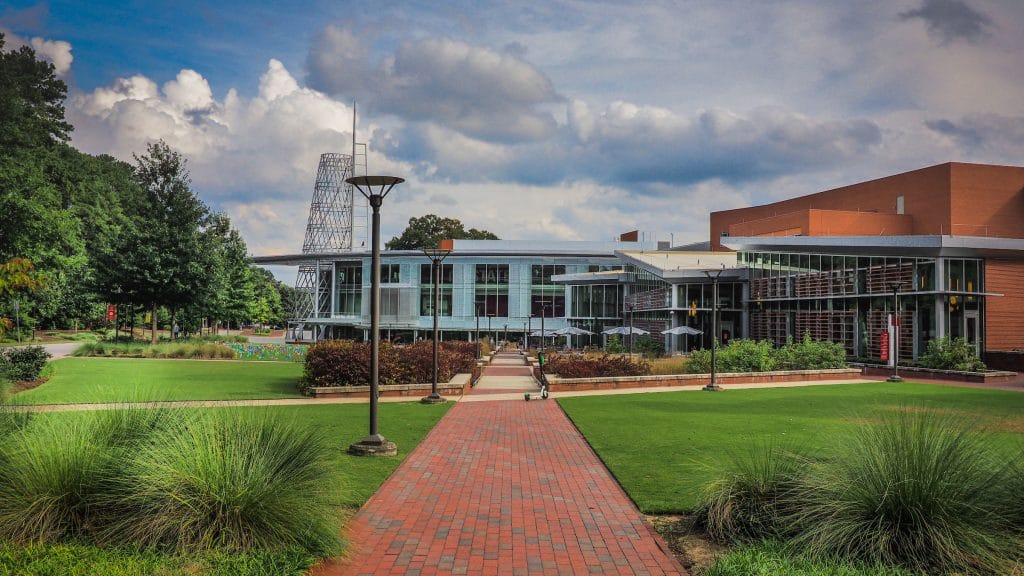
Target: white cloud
(57,52)
(481,92)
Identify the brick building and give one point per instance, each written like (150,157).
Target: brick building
(949,238)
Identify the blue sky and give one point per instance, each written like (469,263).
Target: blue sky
(556,119)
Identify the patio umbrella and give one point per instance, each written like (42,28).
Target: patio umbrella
(682,330)
(625,330)
(545,333)
(573,331)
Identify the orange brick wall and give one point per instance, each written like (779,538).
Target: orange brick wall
(1004,315)
(926,194)
(989,201)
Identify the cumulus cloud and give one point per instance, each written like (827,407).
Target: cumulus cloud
(481,92)
(56,52)
(951,20)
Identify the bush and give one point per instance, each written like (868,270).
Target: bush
(919,490)
(153,478)
(810,354)
(193,350)
(49,480)
(738,356)
(347,363)
(958,354)
(749,502)
(234,483)
(572,366)
(23,362)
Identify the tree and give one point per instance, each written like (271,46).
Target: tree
(427,231)
(17,276)
(31,101)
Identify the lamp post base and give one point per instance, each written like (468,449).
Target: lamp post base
(713,388)
(434,398)
(373,446)
(894,378)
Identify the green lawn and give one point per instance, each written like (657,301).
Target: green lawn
(83,380)
(664,447)
(358,478)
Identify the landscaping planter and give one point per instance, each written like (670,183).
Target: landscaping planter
(914,373)
(458,386)
(558,384)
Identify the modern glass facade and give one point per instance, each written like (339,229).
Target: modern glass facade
(849,299)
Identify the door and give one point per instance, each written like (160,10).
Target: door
(971,329)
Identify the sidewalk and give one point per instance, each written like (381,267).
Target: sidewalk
(502,487)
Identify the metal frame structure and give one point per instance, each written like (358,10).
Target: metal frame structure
(336,216)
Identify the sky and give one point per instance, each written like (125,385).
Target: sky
(560,119)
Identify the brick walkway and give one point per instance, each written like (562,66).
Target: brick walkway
(505,487)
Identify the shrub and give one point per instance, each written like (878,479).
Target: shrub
(227,482)
(749,502)
(739,355)
(917,490)
(194,350)
(810,354)
(615,345)
(572,366)
(23,362)
(347,363)
(956,354)
(51,473)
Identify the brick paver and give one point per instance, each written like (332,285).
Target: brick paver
(506,487)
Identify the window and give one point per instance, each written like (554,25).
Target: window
(390,274)
(349,295)
(491,294)
(447,274)
(547,305)
(540,274)
(427,301)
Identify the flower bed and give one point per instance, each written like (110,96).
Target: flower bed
(278,352)
(333,363)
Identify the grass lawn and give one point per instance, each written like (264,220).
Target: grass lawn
(84,380)
(664,447)
(358,478)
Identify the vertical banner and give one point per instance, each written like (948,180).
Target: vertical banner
(111,312)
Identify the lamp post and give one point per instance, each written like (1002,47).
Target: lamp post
(490,336)
(713,275)
(374,189)
(629,345)
(478,334)
(436,256)
(895,333)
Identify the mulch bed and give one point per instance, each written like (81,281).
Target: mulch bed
(22,385)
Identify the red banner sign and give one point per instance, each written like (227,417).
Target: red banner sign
(883,345)
(111,312)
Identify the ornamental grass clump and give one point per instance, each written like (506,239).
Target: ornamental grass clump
(52,470)
(919,490)
(750,501)
(227,482)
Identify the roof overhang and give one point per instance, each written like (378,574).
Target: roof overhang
(950,246)
(300,259)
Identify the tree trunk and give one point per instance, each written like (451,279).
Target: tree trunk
(154,324)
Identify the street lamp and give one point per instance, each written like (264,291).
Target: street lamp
(374,189)
(478,334)
(895,333)
(713,275)
(436,256)
(629,345)
(490,336)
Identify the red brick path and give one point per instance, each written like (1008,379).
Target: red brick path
(505,487)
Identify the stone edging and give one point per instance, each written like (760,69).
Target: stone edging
(456,387)
(558,384)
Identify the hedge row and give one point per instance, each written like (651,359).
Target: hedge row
(347,363)
(762,356)
(570,366)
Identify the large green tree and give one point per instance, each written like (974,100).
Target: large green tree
(427,231)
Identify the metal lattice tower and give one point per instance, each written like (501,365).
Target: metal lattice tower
(336,224)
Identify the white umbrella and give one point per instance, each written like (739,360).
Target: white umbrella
(545,333)
(625,330)
(682,330)
(573,331)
